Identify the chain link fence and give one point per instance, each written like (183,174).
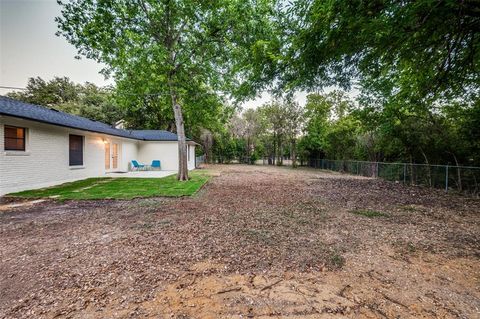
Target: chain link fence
(464,179)
(199,160)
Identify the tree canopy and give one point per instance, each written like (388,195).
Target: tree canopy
(87,100)
(416,50)
(183,65)
(181,49)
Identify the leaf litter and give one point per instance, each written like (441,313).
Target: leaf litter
(256,242)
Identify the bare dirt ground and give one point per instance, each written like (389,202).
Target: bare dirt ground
(256,242)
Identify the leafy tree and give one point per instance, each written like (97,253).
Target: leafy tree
(414,50)
(294,115)
(276,114)
(48,93)
(181,48)
(224,148)
(341,139)
(317,113)
(61,93)
(247,127)
(206,139)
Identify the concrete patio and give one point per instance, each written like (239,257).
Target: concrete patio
(141,174)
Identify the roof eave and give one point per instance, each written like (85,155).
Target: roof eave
(67,126)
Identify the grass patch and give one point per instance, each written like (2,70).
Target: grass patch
(369,213)
(337,261)
(121,188)
(409,208)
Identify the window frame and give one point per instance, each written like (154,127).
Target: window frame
(82,151)
(24,138)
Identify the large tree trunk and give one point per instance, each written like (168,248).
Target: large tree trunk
(182,143)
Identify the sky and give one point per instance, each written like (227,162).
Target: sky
(30,48)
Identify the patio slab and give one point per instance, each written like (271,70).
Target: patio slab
(141,174)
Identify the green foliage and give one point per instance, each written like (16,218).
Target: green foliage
(283,124)
(86,100)
(341,138)
(254,157)
(225,148)
(336,261)
(178,52)
(390,132)
(196,48)
(330,129)
(416,64)
(407,51)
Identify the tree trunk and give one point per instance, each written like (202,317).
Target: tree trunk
(182,143)
(429,173)
(247,160)
(274,148)
(280,152)
(459,175)
(294,155)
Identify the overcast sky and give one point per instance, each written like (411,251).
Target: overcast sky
(29,48)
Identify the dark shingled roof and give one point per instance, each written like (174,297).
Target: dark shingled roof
(42,114)
(155,135)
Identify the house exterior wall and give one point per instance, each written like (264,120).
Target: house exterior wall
(45,161)
(191,162)
(166,152)
(129,152)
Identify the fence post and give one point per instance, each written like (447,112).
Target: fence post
(404,173)
(376,170)
(446,179)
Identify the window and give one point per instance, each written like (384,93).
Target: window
(14,138)
(76,150)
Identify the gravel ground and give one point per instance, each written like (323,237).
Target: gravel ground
(255,242)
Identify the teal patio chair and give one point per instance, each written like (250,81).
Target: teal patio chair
(156,165)
(136,166)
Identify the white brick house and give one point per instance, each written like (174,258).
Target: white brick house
(41,147)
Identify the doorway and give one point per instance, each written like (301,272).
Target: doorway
(107,156)
(111,156)
(115,156)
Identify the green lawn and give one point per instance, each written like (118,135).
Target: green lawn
(121,188)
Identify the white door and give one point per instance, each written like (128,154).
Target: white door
(115,156)
(107,156)
(111,156)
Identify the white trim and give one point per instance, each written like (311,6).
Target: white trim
(16,153)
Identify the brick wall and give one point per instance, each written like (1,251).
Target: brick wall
(45,161)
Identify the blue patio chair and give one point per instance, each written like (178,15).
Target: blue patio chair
(156,165)
(136,166)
